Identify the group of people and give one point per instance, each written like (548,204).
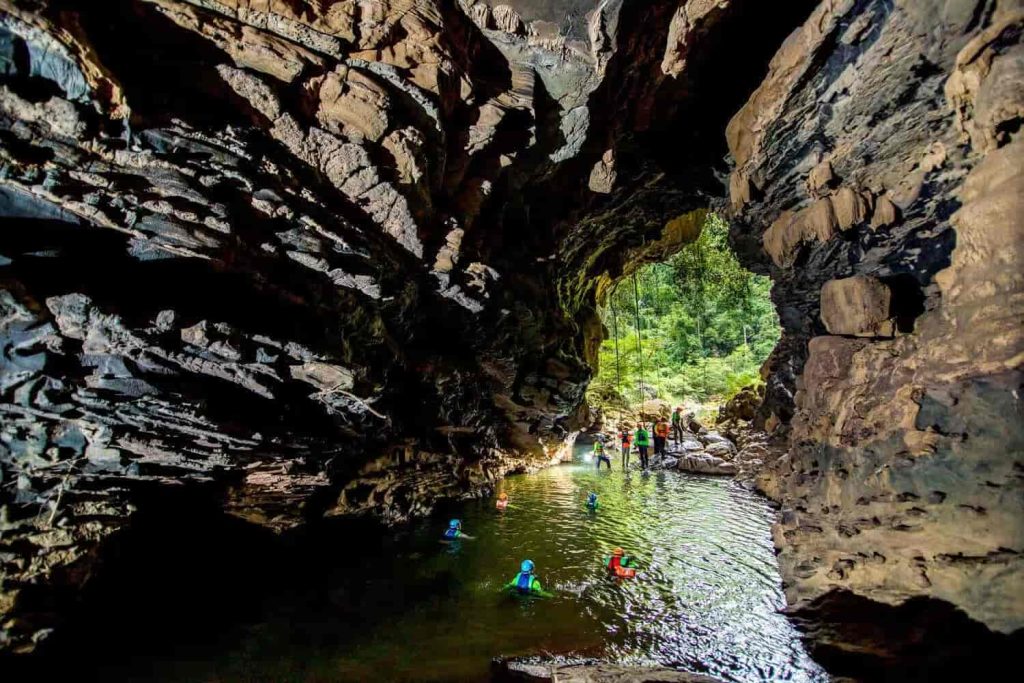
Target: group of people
(618,564)
(642,436)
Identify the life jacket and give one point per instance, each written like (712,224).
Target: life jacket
(452,533)
(661,429)
(616,567)
(643,438)
(677,417)
(626,437)
(598,448)
(524,582)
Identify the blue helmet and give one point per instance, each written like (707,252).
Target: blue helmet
(454,524)
(526,566)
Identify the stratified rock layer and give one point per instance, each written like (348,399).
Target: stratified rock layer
(873,171)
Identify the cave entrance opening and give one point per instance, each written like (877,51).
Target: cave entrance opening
(692,330)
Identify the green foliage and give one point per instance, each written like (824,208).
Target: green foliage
(705,326)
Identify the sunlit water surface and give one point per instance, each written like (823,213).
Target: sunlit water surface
(706,598)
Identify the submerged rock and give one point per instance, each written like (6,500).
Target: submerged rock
(528,671)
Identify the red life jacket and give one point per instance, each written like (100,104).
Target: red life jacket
(615,563)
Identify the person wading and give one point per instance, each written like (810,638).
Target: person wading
(625,439)
(677,425)
(660,436)
(643,442)
(600,455)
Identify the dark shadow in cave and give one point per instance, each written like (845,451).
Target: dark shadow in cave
(188,583)
(907,302)
(921,640)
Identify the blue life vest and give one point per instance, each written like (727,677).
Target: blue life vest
(524,582)
(452,533)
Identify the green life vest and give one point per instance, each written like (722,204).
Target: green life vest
(676,417)
(643,438)
(598,448)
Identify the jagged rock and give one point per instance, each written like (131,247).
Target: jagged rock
(350,102)
(851,207)
(821,178)
(857,306)
(508,20)
(602,177)
(688,20)
(791,230)
(885,214)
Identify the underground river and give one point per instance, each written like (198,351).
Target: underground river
(358,602)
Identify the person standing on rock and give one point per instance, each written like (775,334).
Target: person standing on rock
(677,425)
(643,442)
(660,436)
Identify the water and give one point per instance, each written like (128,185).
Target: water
(410,608)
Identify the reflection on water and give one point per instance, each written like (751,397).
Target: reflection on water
(416,609)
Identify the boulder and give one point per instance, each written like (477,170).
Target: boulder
(744,405)
(857,306)
(721,449)
(654,408)
(697,464)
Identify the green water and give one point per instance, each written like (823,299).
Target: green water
(411,608)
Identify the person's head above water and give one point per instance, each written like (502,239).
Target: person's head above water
(526,566)
(455,524)
(618,552)
(502,496)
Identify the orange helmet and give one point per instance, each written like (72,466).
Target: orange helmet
(618,552)
(502,496)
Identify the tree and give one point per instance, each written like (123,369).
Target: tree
(705,325)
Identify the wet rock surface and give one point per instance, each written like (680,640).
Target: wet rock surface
(312,260)
(526,670)
(889,216)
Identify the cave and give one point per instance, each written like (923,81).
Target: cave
(274,272)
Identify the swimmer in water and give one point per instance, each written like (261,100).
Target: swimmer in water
(454,531)
(502,501)
(525,582)
(620,564)
(592,501)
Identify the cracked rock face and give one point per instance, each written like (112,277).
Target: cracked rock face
(877,185)
(345,258)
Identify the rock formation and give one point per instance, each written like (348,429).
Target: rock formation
(864,162)
(317,258)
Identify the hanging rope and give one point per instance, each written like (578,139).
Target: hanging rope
(639,344)
(615,335)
